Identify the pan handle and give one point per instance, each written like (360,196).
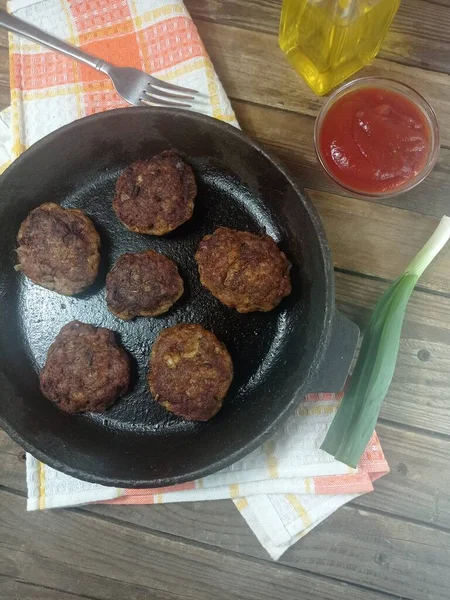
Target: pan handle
(336,363)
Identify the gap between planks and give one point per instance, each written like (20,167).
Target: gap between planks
(418,287)
(23,590)
(436,435)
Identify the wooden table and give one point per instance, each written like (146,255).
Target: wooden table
(388,544)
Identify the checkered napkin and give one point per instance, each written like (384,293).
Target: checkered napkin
(286,487)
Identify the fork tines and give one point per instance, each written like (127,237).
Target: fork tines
(156,94)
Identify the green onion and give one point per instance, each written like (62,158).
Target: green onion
(355,420)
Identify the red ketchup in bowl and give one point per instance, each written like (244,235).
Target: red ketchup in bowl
(374,141)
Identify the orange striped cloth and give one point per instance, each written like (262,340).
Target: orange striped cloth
(49,89)
(286,487)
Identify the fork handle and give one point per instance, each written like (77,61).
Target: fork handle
(35,34)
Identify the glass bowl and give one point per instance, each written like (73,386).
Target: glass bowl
(414,97)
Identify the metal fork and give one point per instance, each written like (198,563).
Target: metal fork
(135,86)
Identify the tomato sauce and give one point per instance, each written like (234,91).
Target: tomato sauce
(374,140)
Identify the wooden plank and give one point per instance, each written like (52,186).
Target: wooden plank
(4,78)
(4,65)
(12,467)
(427,315)
(12,470)
(419,471)
(379,240)
(289,136)
(355,545)
(3,32)
(419,35)
(105,559)
(430,387)
(253,68)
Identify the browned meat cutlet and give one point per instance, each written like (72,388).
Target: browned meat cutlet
(190,372)
(58,248)
(156,196)
(85,370)
(243,270)
(143,284)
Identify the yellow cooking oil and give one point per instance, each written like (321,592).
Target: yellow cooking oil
(326,41)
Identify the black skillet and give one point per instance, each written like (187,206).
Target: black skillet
(302,346)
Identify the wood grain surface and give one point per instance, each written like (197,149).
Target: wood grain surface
(393,543)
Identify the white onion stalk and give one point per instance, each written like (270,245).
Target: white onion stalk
(355,420)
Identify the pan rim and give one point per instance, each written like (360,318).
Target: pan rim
(322,345)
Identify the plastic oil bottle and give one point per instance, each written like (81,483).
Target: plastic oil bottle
(326,41)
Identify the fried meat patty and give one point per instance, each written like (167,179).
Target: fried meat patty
(243,270)
(155,196)
(143,284)
(85,370)
(190,372)
(58,248)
